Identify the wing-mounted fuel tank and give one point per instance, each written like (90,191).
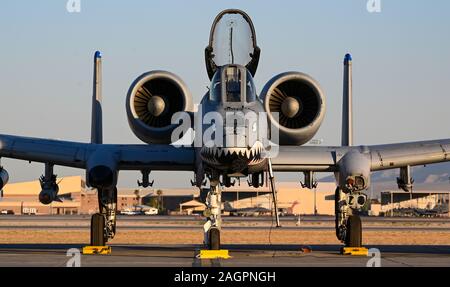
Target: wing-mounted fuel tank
(232,40)
(298,102)
(152,100)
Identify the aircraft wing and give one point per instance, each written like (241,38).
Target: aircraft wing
(388,156)
(75,154)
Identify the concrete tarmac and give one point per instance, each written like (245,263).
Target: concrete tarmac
(245,255)
(33,255)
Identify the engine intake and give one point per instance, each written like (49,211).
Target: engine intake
(4,177)
(300,104)
(152,100)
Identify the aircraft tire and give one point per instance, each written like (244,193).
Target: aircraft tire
(98,230)
(354,232)
(336,212)
(214,239)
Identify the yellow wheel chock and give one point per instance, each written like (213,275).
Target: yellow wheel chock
(355,251)
(100,250)
(214,254)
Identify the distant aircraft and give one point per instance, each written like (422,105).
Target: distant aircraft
(293,108)
(245,211)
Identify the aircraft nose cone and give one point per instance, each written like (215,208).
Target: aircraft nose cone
(290,107)
(156,106)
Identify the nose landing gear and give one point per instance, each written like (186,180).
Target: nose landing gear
(213,224)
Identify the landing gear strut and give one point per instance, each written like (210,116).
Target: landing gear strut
(103,224)
(348,223)
(274,193)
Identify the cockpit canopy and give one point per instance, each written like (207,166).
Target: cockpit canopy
(232,84)
(232,41)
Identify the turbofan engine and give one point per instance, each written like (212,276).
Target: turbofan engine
(151,101)
(299,103)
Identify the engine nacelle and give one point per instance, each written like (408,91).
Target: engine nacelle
(151,101)
(101,176)
(101,169)
(4,177)
(300,104)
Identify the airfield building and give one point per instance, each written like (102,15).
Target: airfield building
(76,198)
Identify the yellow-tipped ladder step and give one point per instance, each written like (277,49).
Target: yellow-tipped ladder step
(355,251)
(214,254)
(101,250)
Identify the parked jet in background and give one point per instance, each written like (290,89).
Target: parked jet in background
(231,62)
(246,211)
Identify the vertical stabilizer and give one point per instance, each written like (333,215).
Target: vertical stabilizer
(96,122)
(347,106)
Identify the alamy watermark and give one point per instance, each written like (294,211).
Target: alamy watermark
(373,6)
(375,260)
(234,129)
(73,6)
(75,257)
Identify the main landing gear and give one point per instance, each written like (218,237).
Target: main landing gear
(348,222)
(103,224)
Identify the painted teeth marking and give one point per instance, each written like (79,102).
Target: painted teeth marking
(253,154)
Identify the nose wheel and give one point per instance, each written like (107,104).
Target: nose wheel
(214,239)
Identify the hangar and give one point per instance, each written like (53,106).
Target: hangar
(416,203)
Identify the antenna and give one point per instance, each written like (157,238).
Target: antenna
(347,105)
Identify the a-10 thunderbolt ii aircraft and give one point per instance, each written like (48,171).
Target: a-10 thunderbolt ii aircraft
(224,140)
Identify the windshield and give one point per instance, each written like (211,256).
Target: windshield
(233,84)
(250,89)
(228,80)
